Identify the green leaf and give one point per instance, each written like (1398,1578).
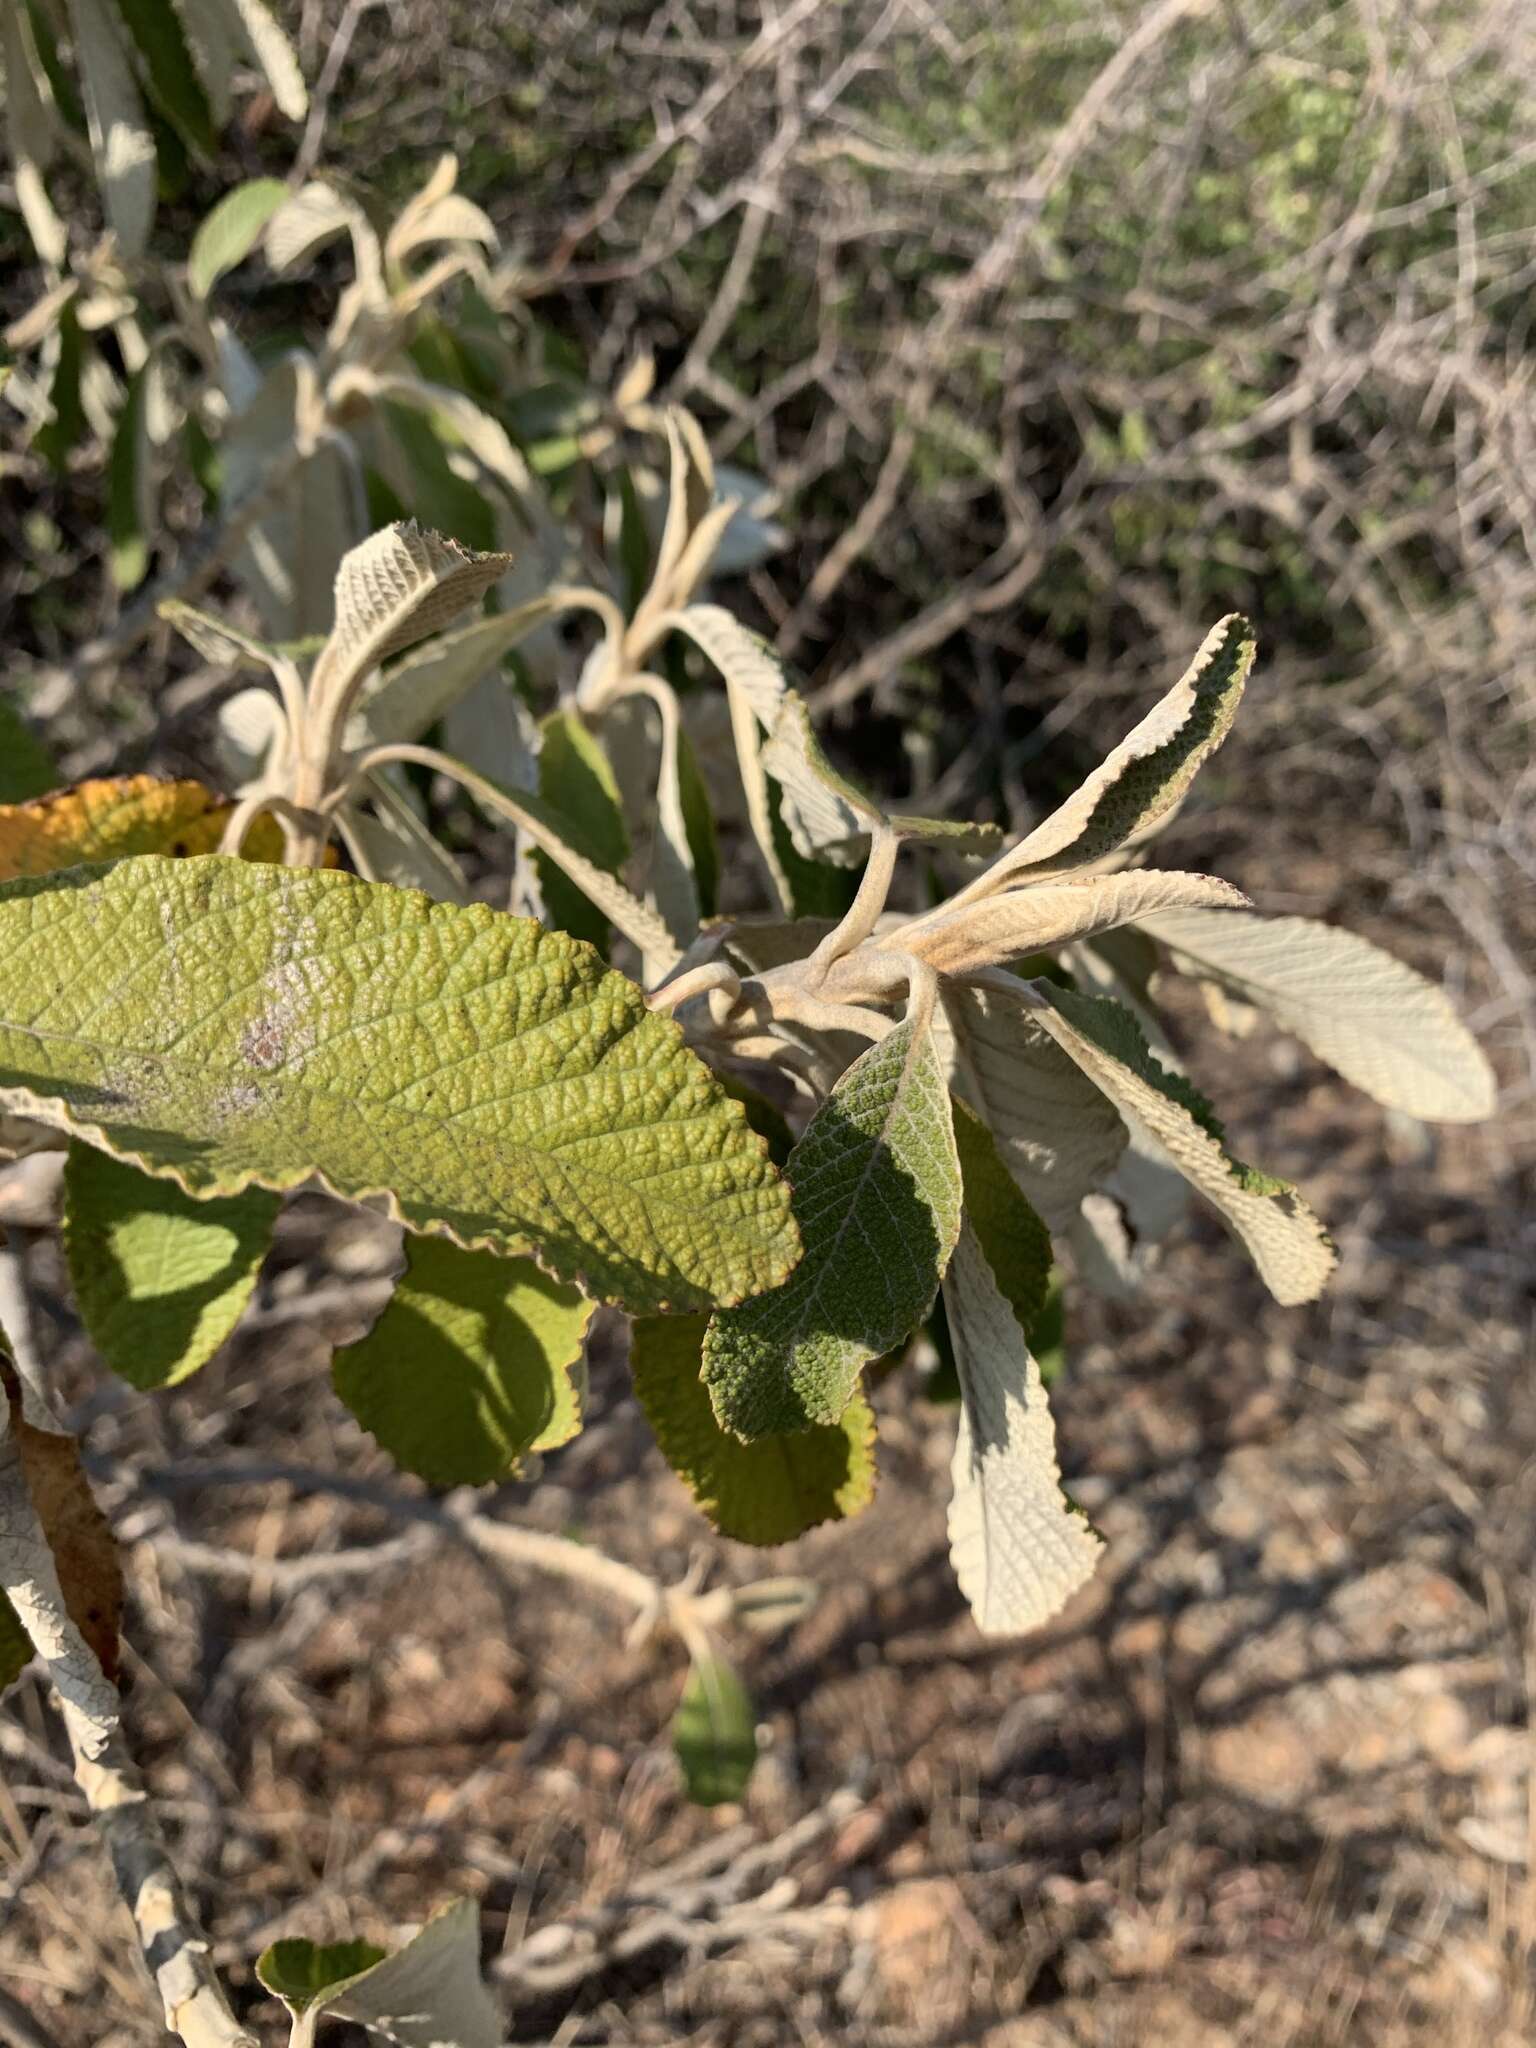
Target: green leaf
(810,888)
(173,78)
(116,815)
(129,501)
(121,142)
(160,1279)
(765,1119)
(300,1972)
(1385,1028)
(1016,1243)
(1283,1237)
(469,1365)
(228,234)
(430,485)
(26,766)
(15,1646)
(57,436)
(574,776)
(428,1994)
(221,1024)
(765,1492)
(714,1733)
(699,824)
(876,1182)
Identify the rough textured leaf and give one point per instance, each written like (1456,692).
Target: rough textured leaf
(994,930)
(1283,1237)
(224,1023)
(160,1279)
(876,1184)
(426,1995)
(424,687)
(469,1364)
(699,824)
(1148,773)
(574,776)
(26,766)
(1019,1550)
(395,588)
(1384,1028)
(121,141)
(1058,1134)
(228,234)
(120,815)
(765,1492)
(714,1733)
(1016,1243)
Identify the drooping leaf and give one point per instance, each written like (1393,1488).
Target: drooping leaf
(224,1024)
(1016,1243)
(26,766)
(1283,1237)
(464,1371)
(1058,1134)
(714,1733)
(121,142)
(768,1491)
(575,777)
(116,816)
(765,1119)
(807,888)
(228,234)
(1385,1028)
(415,461)
(1019,1550)
(428,1994)
(876,1184)
(160,1279)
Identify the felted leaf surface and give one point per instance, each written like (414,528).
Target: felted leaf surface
(425,686)
(116,816)
(394,589)
(428,1994)
(469,1364)
(224,1024)
(1148,773)
(714,1733)
(1059,1134)
(1385,1028)
(876,1183)
(1018,1549)
(997,929)
(1283,1237)
(768,1491)
(160,1279)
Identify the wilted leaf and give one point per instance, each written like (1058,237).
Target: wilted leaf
(266,1025)
(116,816)
(714,1733)
(1285,1240)
(1019,1550)
(160,1279)
(428,1994)
(1385,1028)
(228,234)
(469,1364)
(876,1184)
(768,1491)
(391,844)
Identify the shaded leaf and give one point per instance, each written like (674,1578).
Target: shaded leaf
(428,1994)
(575,777)
(26,766)
(714,1733)
(426,685)
(121,142)
(116,816)
(1016,1243)
(299,1971)
(130,499)
(15,1646)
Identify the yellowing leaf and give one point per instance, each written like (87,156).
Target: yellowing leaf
(1019,1550)
(116,816)
(768,1491)
(469,1365)
(223,1024)
(160,1279)
(876,1187)
(1385,1028)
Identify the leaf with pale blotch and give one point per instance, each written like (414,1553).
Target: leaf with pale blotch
(876,1184)
(223,1024)
(1147,774)
(469,1365)
(400,585)
(426,686)
(1384,1027)
(160,1279)
(228,234)
(991,931)
(122,142)
(768,1491)
(1018,1549)
(714,1733)
(1058,1134)
(117,816)
(1017,1244)
(575,777)
(428,1994)
(1283,1237)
